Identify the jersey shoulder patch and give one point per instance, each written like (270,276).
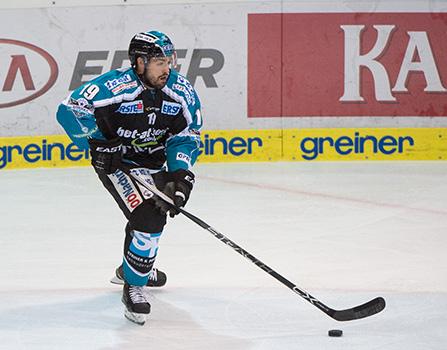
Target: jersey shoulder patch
(181,90)
(112,87)
(119,81)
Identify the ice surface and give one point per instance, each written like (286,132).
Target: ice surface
(345,232)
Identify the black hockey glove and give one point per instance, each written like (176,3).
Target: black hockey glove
(178,187)
(106,155)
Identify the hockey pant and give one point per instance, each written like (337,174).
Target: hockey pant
(145,222)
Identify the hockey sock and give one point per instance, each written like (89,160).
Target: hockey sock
(139,257)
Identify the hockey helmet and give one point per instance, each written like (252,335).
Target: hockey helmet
(151,44)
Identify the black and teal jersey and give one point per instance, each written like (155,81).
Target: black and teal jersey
(154,125)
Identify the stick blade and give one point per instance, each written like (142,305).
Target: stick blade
(370,308)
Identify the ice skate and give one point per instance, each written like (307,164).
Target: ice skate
(137,306)
(157,278)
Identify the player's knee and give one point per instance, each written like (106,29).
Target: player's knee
(147,218)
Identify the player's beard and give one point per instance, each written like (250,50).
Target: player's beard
(158,82)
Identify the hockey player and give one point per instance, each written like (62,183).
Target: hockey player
(146,120)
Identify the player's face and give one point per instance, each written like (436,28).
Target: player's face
(158,71)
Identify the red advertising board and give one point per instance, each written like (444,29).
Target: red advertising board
(347,64)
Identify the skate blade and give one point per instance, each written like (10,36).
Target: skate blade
(116,280)
(139,319)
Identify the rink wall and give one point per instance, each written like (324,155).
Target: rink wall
(324,69)
(254,146)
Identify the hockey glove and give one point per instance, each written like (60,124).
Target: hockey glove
(106,155)
(178,188)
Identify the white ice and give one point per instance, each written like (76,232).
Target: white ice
(345,232)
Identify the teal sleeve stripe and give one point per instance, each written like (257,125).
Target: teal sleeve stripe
(182,152)
(181,91)
(79,129)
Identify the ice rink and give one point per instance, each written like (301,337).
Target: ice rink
(345,232)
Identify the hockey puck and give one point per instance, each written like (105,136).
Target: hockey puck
(335,333)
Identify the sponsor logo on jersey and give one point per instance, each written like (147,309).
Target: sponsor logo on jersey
(126,189)
(125,86)
(149,137)
(108,149)
(131,107)
(149,141)
(80,107)
(170,108)
(185,86)
(189,96)
(184,158)
(112,84)
(85,132)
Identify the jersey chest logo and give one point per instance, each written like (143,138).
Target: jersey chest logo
(170,108)
(131,107)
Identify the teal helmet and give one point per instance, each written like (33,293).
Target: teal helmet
(164,41)
(151,44)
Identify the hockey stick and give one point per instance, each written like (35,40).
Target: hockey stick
(370,308)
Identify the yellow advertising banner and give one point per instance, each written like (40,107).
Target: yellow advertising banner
(40,152)
(339,144)
(365,144)
(241,146)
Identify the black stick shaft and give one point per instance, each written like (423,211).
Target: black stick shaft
(255,261)
(370,308)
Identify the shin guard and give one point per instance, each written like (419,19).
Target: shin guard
(139,256)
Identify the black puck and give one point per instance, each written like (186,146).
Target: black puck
(335,333)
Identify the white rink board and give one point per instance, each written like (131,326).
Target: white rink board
(65,31)
(108,28)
